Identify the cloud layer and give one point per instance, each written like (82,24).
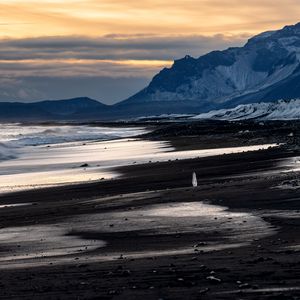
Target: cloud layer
(114,56)
(99,17)
(50,48)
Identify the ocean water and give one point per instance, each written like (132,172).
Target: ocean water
(16,136)
(41,156)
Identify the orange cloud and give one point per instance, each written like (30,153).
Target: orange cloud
(97,17)
(76,39)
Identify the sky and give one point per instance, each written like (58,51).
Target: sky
(110,49)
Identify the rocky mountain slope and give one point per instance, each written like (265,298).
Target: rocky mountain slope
(266,68)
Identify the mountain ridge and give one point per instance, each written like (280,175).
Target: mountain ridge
(266,68)
(47,109)
(223,77)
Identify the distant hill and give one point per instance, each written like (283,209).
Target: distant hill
(69,109)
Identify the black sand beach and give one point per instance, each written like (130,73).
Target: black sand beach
(150,235)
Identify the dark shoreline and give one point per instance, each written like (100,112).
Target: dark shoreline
(242,182)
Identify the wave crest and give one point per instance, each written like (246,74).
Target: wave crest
(6,152)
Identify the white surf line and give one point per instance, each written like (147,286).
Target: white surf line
(42,167)
(261,290)
(15,205)
(23,262)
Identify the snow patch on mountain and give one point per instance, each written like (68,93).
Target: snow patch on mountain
(267,62)
(281,110)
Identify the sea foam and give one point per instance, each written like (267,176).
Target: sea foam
(15,136)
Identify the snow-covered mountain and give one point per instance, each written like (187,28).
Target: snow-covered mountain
(266,68)
(281,110)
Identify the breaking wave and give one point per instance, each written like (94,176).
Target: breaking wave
(6,152)
(14,136)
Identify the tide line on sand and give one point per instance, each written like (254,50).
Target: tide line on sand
(85,162)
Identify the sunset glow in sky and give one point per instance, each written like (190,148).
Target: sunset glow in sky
(117,43)
(21,18)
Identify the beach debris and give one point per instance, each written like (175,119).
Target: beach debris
(112,292)
(201,244)
(289,184)
(84,166)
(194,180)
(204,291)
(126,273)
(203,268)
(244,286)
(213,279)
